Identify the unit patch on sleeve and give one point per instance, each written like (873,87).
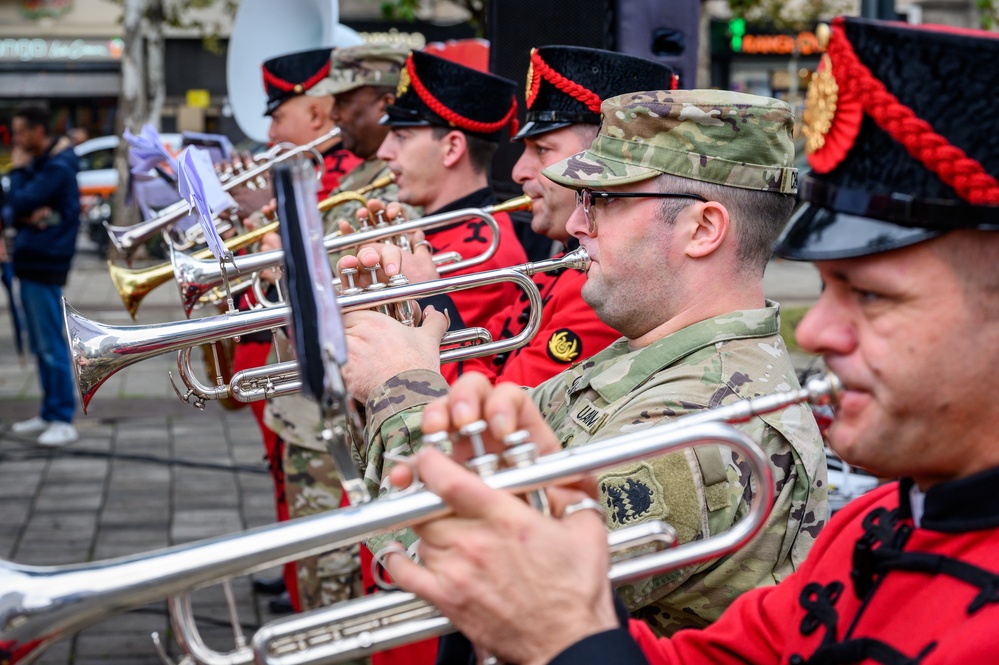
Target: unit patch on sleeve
(630,496)
(564,346)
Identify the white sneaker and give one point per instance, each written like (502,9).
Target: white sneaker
(58,434)
(30,426)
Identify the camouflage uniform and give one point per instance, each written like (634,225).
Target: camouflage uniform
(311,482)
(711,363)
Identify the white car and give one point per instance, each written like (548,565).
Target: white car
(845,482)
(98,181)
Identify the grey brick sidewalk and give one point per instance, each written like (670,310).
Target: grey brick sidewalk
(149,472)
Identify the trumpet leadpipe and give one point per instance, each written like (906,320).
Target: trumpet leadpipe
(126,239)
(195,277)
(98,351)
(39,605)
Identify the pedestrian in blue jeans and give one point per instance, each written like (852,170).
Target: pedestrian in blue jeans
(43,204)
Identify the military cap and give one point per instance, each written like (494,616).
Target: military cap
(361,65)
(902,138)
(725,138)
(566,84)
(439,93)
(293,74)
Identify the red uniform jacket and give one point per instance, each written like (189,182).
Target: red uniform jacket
(570,331)
(475,307)
(876,588)
(338,162)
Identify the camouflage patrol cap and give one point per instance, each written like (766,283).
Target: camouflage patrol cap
(361,65)
(725,138)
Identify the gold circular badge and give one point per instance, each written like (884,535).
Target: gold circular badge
(820,106)
(564,346)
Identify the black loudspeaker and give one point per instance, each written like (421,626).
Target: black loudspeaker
(517,26)
(661,30)
(665,31)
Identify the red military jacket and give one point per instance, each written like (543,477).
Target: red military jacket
(569,332)
(475,307)
(338,162)
(877,587)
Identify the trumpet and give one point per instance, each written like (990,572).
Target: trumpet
(41,605)
(134,285)
(98,351)
(127,239)
(194,277)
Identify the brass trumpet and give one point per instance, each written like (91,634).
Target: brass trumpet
(127,239)
(41,605)
(133,285)
(194,278)
(98,351)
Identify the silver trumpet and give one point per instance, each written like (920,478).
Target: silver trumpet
(127,239)
(195,277)
(98,351)
(41,605)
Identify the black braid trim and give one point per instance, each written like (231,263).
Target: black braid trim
(887,559)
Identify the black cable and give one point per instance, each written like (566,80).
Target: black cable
(27,454)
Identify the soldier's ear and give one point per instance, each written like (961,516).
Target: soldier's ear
(710,225)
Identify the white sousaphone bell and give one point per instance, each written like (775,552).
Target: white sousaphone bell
(264,29)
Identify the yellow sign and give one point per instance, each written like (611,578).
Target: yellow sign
(198,98)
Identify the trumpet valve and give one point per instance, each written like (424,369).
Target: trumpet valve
(482,463)
(348,274)
(375,284)
(520,453)
(437,440)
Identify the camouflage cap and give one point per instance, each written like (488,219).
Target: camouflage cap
(725,138)
(364,64)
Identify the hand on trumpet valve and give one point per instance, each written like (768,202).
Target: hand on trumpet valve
(484,565)
(379,348)
(505,408)
(269,242)
(253,195)
(415,251)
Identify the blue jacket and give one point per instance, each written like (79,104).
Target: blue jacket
(44,254)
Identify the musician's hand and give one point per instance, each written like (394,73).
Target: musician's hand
(251,200)
(380,348)
(519,584)
(270,241)
(269,210)
(387,257)
(505,408)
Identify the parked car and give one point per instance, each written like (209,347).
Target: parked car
(98,182)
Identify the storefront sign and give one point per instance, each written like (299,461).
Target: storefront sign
(60,50)
(744,40)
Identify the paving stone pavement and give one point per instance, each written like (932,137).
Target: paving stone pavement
(150,472)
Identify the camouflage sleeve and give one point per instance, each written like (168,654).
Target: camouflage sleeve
(702,494)
(394,421)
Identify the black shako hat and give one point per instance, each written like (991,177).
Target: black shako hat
(293,74)
(903,139)
(566,84)
(434,92)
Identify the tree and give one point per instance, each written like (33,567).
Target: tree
(143,73)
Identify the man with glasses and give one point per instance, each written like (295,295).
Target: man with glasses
(900,218)
(681,195)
